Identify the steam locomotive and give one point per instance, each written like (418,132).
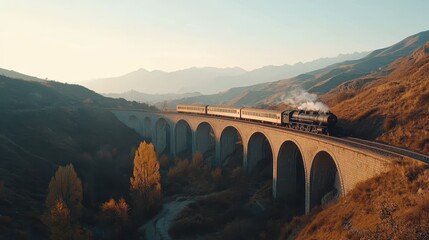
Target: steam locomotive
(309,121)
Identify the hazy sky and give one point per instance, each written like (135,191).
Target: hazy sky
(77,40)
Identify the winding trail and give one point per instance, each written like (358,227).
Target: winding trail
(157,228)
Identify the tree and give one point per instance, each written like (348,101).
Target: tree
(58,220)
(64,205)
(66,186)
(146,181)
(114,214)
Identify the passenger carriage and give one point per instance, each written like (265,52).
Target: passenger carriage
(187,108)
(224,111)
(263,115)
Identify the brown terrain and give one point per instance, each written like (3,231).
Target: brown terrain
(392,205)
(391,105)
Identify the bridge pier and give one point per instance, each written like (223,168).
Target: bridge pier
(217,153)
(194,143)
(321,167)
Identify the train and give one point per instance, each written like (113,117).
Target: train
(309,121)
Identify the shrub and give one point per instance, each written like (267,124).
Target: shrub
(113,212)
(114,215)
(164,162)
(179,171)
(389,123)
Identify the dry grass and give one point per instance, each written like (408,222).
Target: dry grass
(394,108)
(393,205)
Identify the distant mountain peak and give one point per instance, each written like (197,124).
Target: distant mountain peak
(208,80)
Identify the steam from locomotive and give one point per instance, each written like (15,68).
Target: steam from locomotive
(302,100)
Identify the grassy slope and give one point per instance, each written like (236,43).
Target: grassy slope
(393,205)
(44,125)
(392,107)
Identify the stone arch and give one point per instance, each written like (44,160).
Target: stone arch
(290,183)
(133,122)
(259,153)
(163,136)
(147,128)
(183,138)
(231,147)
(205,141)
(325,180)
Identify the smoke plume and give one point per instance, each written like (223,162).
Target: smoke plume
(303,100)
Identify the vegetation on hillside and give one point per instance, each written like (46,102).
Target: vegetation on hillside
(46,125)
(393,205)
(392,107)
(66,216)
(19,94)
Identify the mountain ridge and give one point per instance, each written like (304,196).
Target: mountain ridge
(317,82)
(204,79)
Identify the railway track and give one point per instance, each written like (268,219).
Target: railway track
(394,149)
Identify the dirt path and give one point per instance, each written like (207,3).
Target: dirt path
(157,228)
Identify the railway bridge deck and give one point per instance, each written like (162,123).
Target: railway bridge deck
(306,166)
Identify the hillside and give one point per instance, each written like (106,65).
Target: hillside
(318,82)
(390,106)
(17,75)
(207,80)
(392,205)
(19,94)
(133,95)
(43,125)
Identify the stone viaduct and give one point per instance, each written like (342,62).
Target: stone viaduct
(306,167)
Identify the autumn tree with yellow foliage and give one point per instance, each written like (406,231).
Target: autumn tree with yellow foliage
(64,205)
(114,215)
(146,181)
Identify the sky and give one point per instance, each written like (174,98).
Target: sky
(76,40)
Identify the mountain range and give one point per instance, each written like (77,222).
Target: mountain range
(316,82)
(206,80)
